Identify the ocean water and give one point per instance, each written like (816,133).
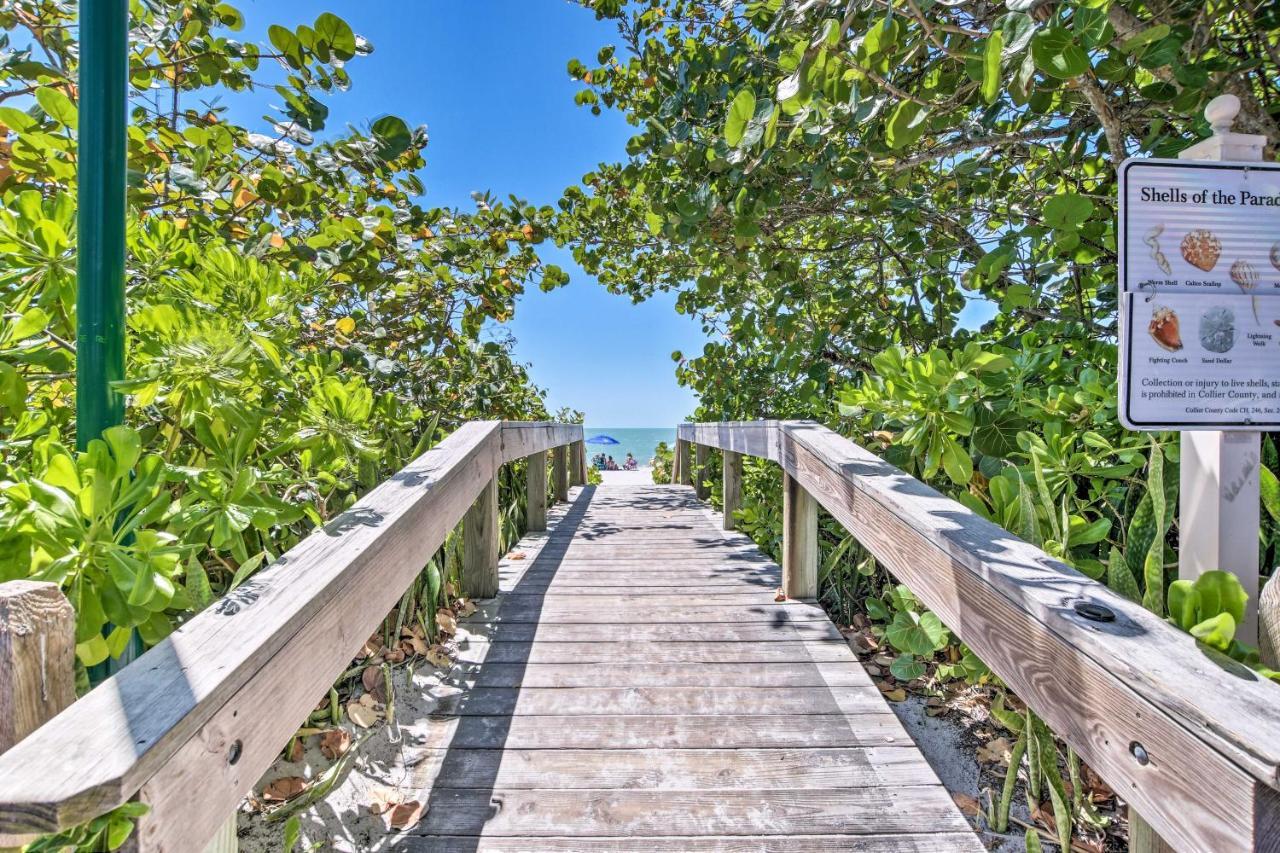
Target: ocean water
(640,441)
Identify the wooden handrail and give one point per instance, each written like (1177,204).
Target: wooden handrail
(192,724)
(1190,739)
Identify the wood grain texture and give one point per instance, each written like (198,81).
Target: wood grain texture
(37,657)
(938,842)
(732,474)
(577,469)
(601,698)
(536,488)
(1102,686)
(799,540)
(701,458)
(560,473)
(684,467)
(249,668)
(480,544)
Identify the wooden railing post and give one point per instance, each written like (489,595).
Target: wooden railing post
(37,662)
(577,473)
(701,456)
(536,513)
(799,540)
(732,464)
(480,545)
(683,474)
(560,472)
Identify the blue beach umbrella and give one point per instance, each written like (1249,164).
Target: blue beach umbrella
(603,439)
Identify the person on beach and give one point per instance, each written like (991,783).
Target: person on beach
(612,465)
(630,463)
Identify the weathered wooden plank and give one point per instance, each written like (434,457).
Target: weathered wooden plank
(701,458)
(37,657)
(799,540)
(789,674)
(673,769)
(480,544)
(536,492)
(608,731)
(560,611)
(754,632)
(524,438)
(732,487)
(660,701)
(581,813)
(560,473)
(683,465)
(544,651)
(936,842)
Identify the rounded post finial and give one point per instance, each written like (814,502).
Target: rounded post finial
(1221,112)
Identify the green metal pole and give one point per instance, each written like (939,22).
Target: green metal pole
(104,81)
(104,76)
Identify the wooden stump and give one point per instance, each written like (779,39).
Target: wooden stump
(732,464)
(799,540)
(536,514)
(480,545)
(37,657)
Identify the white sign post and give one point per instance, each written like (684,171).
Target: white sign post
(1200,334)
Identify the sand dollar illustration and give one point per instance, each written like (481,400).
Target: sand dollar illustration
(1201,248)
(1218,329)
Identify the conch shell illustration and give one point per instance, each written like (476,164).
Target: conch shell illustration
(1164,329)
(1201,249)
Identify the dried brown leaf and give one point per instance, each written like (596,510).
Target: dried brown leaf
(334,743)
(969,806)
(283,789)
(437,656)
(516,555)
(296,749)
(363,716)
(405,815)
(780,595)
(998,751)
(446,620)
(465,607)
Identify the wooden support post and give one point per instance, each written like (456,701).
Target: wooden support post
(480,545)
(536,513)
(799,540)
(684,476)
(732,465)
(1143,839)
(577,472)
(1269,621)
(701,456)
(37,662)
(560,472)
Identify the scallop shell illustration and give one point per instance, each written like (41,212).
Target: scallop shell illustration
(1218,329)
(1164,329)
(1201,249)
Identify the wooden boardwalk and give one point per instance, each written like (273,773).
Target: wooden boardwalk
(636,687)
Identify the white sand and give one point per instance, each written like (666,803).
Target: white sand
(639,477)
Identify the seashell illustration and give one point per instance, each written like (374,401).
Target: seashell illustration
(1243,274)
(1201,249)
(1153,240)
(1275,254)
(1218,329)
(1164,329)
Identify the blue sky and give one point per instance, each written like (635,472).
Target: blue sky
(488,78)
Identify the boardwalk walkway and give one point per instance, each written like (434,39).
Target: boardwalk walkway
(637,687)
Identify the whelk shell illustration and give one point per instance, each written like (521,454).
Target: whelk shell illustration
(1201,249)
(1275,254)
(1243,274)
(1164,329)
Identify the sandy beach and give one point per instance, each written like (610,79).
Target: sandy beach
(639,477)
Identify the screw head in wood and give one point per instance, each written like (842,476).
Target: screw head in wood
(1139,752)
(233,754)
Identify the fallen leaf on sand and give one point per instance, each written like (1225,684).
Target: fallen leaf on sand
(437,656)
(780,595)
(334,743)
(445,619)
(284,788)
(295,749)
(395,656)
(517,555)
(466,607)
(893,694)
(373,682)
(999,751)
(420,646)
(405,815)
(362,715)
(968,805)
